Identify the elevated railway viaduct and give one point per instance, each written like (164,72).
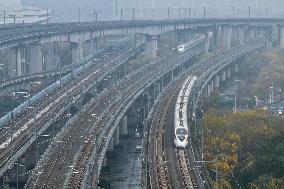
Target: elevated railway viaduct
(87,153)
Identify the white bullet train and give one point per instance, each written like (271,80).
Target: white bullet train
(181,125)
(189,45)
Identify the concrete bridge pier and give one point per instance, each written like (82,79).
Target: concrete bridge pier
(234,36)
(226,36)
(123,130)
(217,81)
(208,91)
(105,161)
(228,73)
(241,35)
(216,36)
(268,37)
(16,61)
(116,137)
(189,34)
(210,88)
(35,57)
(236,68)
(281,36)
(151,45)
(223,76)
(251,34)
(207,43)
(50,52)
(212,85)
(246,33)
(88,47)
(77,52)
(110,145)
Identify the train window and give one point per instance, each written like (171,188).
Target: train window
(180,115)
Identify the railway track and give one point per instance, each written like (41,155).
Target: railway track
(93,122)
(191,176)
(185,170)
(157,149)
(50,106)
(111,109)
(159,175)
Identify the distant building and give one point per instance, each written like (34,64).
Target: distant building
(12,11)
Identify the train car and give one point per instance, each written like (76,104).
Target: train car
(189,45)
(181,126)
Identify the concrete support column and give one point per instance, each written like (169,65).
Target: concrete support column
(226,37)
(216,36)
(77,52)
(223,75)
(50,55)
(19,62)
(110,145)
(151,45)
(274,34)
(212,85)
(35,58)
(208,89)
(241,35)
(281,36)
(105,161)
(268,37)
(207,43)
(246,33)
(234,36)
(123,127)
(236,68)
(88,48)
(251,34)
(16,61)
(228,73)
(217,81)
(116,137)
(12,63)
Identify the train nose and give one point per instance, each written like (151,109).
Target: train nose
(181,138)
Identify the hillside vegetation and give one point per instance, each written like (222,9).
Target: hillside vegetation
(247,149)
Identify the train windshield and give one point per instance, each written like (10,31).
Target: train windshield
(181,131)
(181,134)
(180,48)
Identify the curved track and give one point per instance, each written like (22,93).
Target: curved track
(65,164)
(184,173)
(105,112)
(31,121)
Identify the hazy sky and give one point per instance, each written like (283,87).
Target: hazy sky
(67,10)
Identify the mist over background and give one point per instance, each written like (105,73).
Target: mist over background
(68,10)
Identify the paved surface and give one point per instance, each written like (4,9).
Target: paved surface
(126,168)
